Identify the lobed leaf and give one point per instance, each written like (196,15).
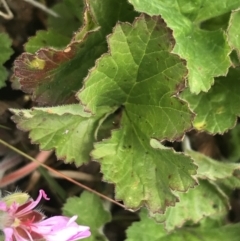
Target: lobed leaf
(6,52)
(206,52)
(90,211)
(217,110)
(141,76)
(67,129)
(203,201)
(142,174)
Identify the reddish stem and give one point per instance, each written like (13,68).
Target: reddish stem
(26,170)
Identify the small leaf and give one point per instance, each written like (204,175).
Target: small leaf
(202,201)
(90,211)
(147,229)
(6,52)
(206,52)
(67,129)
(223,100)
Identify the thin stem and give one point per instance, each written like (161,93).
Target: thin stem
(9,14)
(61,174)
(42,156)
(42,7)
(2,126)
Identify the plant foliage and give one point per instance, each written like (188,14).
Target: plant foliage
(159,69)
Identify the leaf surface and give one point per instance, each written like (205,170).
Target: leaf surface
(70,17)
(230,183)
(144,89)
(217,110)
(206,52)
(60,29)
(233,31)
(54,76)
(146,84)
(211,169)
(202,201)
(67,129)
(46,39)
(142,174)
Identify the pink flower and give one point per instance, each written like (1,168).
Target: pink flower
(20,222)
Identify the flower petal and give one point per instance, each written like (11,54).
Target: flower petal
(61,228)
(68,234)
(31,204)
(52,224)
(8,232)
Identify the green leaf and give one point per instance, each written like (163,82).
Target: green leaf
(54,76)
(144,88)
(90,211)
(146,85)
(67,129)
(233,31)
(230,183)
(46,39)
(142,174)
(202,201)
(70,17)
(223,100)
(206,52)
(211,169)
(147,229)
(60,29)
(6,52)
(219,22)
